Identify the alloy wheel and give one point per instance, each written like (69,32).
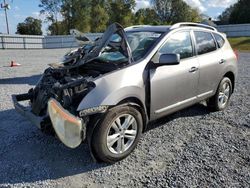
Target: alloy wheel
(224,94)
(122,133)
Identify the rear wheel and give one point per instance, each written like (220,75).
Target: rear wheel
(221,99)
(118,134)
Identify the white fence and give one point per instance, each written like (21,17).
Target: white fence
(67,41)
(237,30)
(20,41)
(39,42)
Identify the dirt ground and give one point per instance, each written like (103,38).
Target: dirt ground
(191,148)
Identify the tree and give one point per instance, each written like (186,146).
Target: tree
(58,28)
(173,11)
(194,15)
(146,16)
(30,26)
(240,13)
(76,14)
(99,16)
(121,11)
(51,8)
(224,17)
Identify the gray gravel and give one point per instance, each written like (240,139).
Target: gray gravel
(190,148)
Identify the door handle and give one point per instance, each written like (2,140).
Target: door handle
(193,69)
(222,61)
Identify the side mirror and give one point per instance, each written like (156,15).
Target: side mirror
(169,59)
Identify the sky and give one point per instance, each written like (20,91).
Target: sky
(20,9)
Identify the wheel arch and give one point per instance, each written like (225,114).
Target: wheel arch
(136,103)
(231,76)
(96,118)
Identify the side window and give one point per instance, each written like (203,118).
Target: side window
(178,43)
(205,42)
(220,40)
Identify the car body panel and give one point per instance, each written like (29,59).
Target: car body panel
(161,90)
(171,85)
(127,82)
(187,88)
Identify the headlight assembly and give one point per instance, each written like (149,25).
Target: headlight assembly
(68,127)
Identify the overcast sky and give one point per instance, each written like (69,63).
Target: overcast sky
(21,9)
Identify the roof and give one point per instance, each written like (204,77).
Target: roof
(168,27)
(148,28)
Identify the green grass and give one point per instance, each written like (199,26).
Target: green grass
(240,43)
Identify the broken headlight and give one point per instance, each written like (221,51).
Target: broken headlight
(67,126)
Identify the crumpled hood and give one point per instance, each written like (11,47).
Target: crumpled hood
(104,41)
(88,53)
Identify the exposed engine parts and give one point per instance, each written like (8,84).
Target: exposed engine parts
(67,87)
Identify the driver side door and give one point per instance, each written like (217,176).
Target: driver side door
(173,87)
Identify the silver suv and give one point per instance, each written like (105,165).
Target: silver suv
(107,91)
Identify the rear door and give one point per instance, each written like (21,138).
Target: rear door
(174,86)
(210,62)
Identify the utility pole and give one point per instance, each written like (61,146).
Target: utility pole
(5,6)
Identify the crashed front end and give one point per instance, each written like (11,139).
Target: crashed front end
(54,101)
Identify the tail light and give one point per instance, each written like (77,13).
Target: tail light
(236,54)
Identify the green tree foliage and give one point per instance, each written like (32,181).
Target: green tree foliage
(51,8)
(99,16)
(30,26)
(173,11)
(95,15)
(240,13)
(121,11)
(224,17)
(146,16)
(76,14)
(58,28)
(236,14)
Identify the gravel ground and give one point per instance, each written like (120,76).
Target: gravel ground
(191,148)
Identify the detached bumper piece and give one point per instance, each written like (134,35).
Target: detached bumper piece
(70,129)
(26,111)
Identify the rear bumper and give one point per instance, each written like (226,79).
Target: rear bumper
(26,111)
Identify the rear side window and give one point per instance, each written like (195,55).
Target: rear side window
(205,42)
(220,40)
(178,43)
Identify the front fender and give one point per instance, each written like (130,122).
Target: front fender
(107,94)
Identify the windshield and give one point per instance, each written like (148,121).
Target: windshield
(139,42)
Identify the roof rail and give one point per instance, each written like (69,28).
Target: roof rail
(191,24)
(136,26)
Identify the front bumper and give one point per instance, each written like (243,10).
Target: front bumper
(70,129)
(26,110)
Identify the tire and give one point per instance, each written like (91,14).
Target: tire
(109,128)
(222,96)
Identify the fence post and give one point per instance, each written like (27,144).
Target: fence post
(3,45)
(2,42)
(24,43)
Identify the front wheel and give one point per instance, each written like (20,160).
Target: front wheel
(221,99)
(118,134)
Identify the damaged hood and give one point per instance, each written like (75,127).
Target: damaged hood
(105,40)
(90,52)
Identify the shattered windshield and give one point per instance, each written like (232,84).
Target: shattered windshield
(139,42)
(114,46)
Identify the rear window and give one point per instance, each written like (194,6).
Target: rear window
(205,42)
(220,40)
